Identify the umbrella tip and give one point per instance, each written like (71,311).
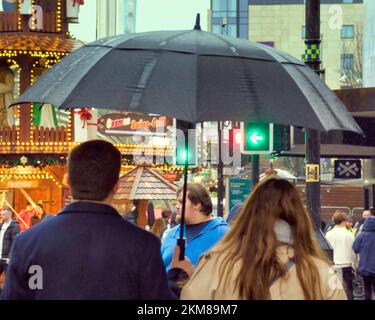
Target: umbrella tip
(197,22)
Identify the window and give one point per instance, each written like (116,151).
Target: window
(347,32)
(346,61)
(219,5)
(303,32)
(347,1)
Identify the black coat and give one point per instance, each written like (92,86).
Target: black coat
(88,251)
(9,237)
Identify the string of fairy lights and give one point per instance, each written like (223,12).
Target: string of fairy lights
(39,153)
(58,15)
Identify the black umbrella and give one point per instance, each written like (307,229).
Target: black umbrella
(193,76)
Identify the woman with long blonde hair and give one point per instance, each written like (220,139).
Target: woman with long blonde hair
(270,252)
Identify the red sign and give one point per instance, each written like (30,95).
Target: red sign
(170,176)
(128,123)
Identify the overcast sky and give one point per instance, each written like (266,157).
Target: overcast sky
(152,15)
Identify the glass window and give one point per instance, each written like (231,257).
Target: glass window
(232,30)
(347,1)
(244,5)
(303,32)
(347,32)
(219,5)
(232,5)
(346,61)
(219,14)
(216,29)
(244,31)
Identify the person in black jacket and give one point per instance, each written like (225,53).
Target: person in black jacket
(88,251)
(9,229)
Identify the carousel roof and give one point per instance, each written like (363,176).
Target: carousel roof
(143,183)
(37,42)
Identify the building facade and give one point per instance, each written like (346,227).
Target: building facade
(369,44)
(115,17)
(282,23)
(229,17)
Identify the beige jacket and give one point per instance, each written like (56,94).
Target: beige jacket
(204,283)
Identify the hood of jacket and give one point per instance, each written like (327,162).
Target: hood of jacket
(369,224)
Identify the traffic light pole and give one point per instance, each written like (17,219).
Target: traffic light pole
(220,175)
(255,168)
(312,137)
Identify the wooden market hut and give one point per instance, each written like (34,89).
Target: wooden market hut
(143,184)
(34,35)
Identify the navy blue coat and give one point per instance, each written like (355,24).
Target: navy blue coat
(364,244)
(88,251)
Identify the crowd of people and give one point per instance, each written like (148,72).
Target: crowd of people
(11,224)
(354,250)
(266,251)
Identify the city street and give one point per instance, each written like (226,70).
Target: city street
(193,150)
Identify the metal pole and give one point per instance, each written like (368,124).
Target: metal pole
(312,137)
(255,168)
(238,18)
(366,200)
(220,176)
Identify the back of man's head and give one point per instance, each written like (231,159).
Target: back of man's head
(93,170)
(339,217)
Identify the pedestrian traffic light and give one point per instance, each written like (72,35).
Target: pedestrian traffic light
(282,137)
(234,141)
(186,144)
(257,138)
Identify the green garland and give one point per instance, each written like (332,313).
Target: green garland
(8,161)
(34,160)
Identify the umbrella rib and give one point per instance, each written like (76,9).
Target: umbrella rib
(83,77)
(322,98)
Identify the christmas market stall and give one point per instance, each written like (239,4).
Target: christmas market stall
(143,184)
(34,139)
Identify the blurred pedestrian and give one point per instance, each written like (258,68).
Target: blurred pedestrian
(167,215)
(9,228)
(349,226)
(25,215)
(270,252)
(150,215)
(39,214)
(88,251)
(158,228)
(202,230)
(132,216)
(234,212)
(364,245)
(343,256)
(359,225)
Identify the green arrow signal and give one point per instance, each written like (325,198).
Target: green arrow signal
(255,138)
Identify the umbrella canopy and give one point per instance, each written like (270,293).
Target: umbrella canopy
(193,76)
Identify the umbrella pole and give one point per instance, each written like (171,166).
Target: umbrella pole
(181,240)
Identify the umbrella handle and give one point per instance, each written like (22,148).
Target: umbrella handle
(181,244)
(181,240)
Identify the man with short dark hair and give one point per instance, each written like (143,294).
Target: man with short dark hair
(88,251)
(202,230)
(9,229)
